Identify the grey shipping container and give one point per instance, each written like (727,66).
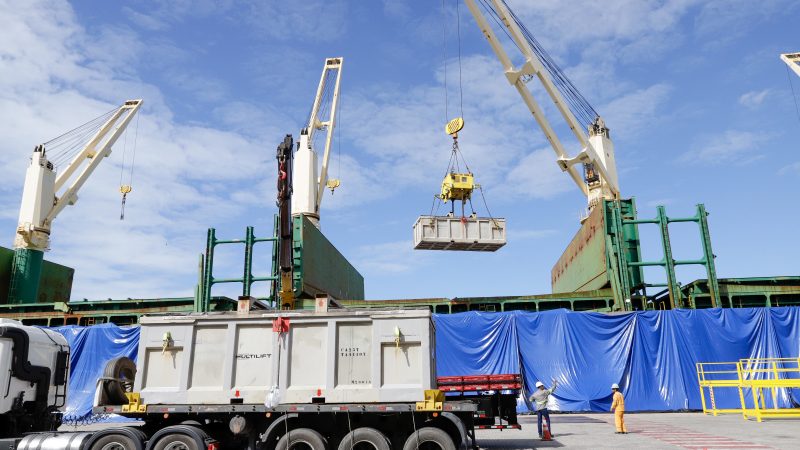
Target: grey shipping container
(273,358)
(459,233)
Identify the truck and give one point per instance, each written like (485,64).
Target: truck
(285,380)
(276,379)
(33,377)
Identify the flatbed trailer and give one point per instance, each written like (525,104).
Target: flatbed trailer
(495,397)
(383,426)
(335,379)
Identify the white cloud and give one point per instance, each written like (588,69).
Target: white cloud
(754,99)
(389,258)
(501,140)
(790,169)
(146,21)
(560,25)
(187,176)
(313,20)
(630,114)
(399,134)
(730,147)
(536,175)
(721,21)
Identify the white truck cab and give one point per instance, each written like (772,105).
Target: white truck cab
(33,375)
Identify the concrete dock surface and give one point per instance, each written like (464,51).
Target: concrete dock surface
(693,431)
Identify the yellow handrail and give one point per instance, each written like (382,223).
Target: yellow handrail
(755,374)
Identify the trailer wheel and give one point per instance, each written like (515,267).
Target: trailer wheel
(176,442)
(301,439)
(113,442)
(364,439)
(429,438)
(180,437)
(117,439)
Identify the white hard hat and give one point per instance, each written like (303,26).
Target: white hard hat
(615,386)
(539,384)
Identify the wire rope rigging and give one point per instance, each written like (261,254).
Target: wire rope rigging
(458,183)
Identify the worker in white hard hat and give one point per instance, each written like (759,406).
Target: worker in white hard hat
(618,406)
(539,400)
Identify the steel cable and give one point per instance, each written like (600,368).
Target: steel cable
(794,96)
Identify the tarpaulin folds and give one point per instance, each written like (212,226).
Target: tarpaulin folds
(90,349)
(652,355)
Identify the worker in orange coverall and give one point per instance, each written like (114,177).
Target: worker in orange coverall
(618,406)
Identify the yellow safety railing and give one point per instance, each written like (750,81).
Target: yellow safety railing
(756,375)
(773,375)
(719,375)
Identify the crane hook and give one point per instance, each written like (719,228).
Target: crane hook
(124,190)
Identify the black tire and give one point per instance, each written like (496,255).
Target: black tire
(113,442)
(365,438)
(124,370)
(123,438)
(429,438)
(176,441)
(301,438)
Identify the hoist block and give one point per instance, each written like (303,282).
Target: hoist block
(457,186)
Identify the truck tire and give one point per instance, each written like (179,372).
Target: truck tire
(300,438)
(176,441)
(364,438)
(123,372)
(124,438)
(113,442)
(429,438)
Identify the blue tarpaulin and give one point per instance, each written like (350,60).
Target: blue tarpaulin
(90,349)
(651,354)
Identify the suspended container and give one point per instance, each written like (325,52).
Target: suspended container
(477,234)
(468,232)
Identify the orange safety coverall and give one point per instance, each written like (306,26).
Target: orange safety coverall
(618,406)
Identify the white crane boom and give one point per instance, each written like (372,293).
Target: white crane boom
(41,202)
(793,61)
(308,188)
(597,152)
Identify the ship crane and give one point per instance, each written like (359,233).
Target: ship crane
(50,188)
(308,186)
(599,179)
(300,188)
(793,61)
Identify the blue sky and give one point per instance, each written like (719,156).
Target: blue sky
(698,102)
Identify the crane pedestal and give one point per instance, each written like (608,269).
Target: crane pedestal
(26,270)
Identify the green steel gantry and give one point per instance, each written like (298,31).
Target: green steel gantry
(206,267)
(318,267)
(668,262)
(606,253)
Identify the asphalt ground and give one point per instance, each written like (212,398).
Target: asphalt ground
(693,431)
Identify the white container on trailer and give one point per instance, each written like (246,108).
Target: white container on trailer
(341,356)
(482,234)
